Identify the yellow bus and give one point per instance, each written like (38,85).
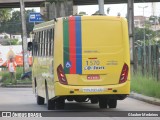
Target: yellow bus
(82,59)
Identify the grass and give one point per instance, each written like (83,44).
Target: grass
(145,85)
(6,77)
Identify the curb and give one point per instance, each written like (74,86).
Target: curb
(144,98)
(17,86)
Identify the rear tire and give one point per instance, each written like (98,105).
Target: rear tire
(60,103)
(94,100)
(102,102)
(112,103)
(50,104)
(40,100)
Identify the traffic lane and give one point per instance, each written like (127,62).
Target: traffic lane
(23,99)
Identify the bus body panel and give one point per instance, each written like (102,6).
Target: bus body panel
(104,45)
(68,90)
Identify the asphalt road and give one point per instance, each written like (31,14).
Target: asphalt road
(22,99)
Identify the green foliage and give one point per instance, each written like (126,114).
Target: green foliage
(139,33)
(6,76)
(11,42)
(52,1)
(5,14)
(82,13)
(145,85)
(13,25)
(5,37)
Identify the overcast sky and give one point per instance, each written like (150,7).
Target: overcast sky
(122,8)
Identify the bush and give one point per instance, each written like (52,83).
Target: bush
(6,75)
(145,85)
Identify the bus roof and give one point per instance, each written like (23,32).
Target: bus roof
(44,25)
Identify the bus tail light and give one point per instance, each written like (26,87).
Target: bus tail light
(61,75)
(124,74)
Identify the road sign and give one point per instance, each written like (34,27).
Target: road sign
(35,17)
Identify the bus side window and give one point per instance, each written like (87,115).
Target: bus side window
(44,43)
(34,40)
(47,40)
(50,43)
(41,49)
(35,48)
(36,44)
(39,44)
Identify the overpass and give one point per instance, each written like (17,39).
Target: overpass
(38,3)
(16,3)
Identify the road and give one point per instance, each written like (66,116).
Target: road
(22,99)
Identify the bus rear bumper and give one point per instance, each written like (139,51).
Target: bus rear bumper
(72,90)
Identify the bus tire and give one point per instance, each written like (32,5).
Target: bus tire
(94,100)
(51,105)
(112,103)
(102,103)
(60,103)
(40,100)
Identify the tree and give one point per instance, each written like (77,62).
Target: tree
(154,19)
(5,14)
(82,13)
(13,25)
(139,33)
(8,41)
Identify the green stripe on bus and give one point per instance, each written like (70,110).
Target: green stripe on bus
(65,44)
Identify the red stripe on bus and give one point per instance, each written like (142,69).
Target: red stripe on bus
(72,45)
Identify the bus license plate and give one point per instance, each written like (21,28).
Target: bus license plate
(93,89)
(93,77)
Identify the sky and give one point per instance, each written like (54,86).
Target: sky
(122,8)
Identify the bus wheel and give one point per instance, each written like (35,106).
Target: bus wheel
(112,103)
(51,104)
(94,100)
(40,100)
(60,103)
(102,102)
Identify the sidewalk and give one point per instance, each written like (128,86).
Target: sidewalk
(19,85)
(144,98)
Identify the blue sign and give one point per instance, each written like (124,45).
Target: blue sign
(35,17)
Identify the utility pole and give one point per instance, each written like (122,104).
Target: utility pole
(144,38)
(131,33)
(101,6)
(24,38)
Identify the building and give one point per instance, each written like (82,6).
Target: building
(139,21)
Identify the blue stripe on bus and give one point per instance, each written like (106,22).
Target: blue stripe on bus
(78,45)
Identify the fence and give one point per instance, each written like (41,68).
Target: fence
(148,62)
